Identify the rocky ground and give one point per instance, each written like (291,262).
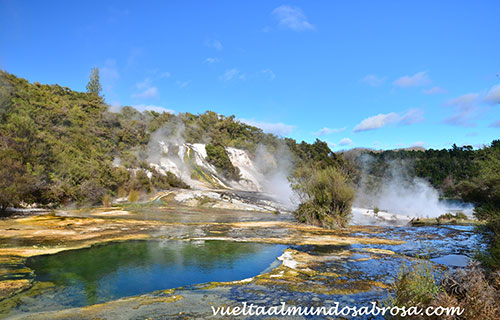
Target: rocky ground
(320,266)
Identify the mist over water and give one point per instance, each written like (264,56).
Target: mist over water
(397,192)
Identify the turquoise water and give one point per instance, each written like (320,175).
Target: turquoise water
(116,270)
(108,272)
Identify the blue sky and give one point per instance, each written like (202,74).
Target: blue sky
(377,74)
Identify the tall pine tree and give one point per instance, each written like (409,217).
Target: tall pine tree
(94,86)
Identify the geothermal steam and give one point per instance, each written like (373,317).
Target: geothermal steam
(399,193)
(265,171)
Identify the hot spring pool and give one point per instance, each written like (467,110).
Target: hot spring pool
(111,271)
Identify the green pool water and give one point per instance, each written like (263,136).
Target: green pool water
(108,272)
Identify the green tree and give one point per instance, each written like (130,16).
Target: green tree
(94,86)
(15,182)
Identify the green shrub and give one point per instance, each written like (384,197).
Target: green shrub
(122,192)
(376,210)
(175,181)
(491,258)
(461,216)
(451,216)
(204,200)
(91,192)
(140,181)
(159,181)
(446,216)
(106,200)
(475,293)
(217,156)
(413,286)
(133,196)
(166,181)
(326,196)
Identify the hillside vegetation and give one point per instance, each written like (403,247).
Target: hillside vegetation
(59,146)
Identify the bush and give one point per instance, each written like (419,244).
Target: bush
(166,181)
(122,192)
(133,196)
(451,216)
(471,291)
(491,258)
(175,181)
(413,287)
(106,200)
(204,200)
(217,156)
(326,196)
(141,181)
(468,289)
(159,181)
(461,216)
(91,192)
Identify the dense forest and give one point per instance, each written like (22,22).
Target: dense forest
(59,146)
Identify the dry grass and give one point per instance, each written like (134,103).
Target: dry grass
(472,290)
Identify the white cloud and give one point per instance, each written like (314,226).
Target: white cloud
(232,74)
(292,18)
(411,116)
(212,60)
(146,88)
(148,93)
(326,131)
(145,84)
(466,99)
(493,95)
(159,109)
(375,122)
(465,110)
(416,80)
(382,120)
(213,43)
(279,129)
(332,145)
(183,84)
(373,80)
(434,90)
(268,73)
(163,75)
(345,142)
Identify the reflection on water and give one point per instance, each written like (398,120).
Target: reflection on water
(107,272)
(453,260)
